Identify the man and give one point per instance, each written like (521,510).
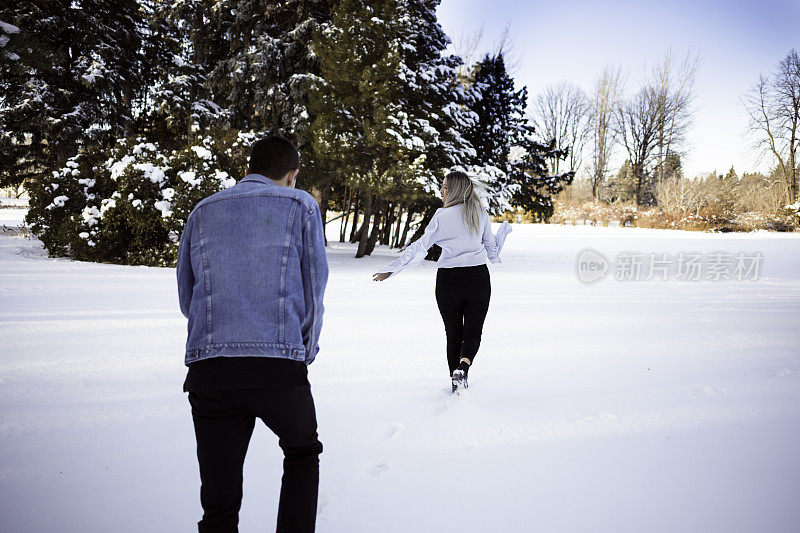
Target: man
(251,273)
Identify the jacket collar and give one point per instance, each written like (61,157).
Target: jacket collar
(259,178)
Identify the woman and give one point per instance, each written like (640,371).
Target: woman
(463,229)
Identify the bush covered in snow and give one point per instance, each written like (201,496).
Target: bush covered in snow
(129,204)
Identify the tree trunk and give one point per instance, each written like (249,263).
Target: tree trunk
(426,219)
(325,194)
(399,220)
(347,201)
(639,178)
(402,242)
(356,213)
(345,215)
(376,230)
(388,219)
(362,232)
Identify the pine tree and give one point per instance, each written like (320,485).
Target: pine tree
(672,165)
(501,124)
(262,76)
(726,192)
(180,47)
(436,107)
(507,149)
(436,103)
(356,101)
(67,81)
(623,187)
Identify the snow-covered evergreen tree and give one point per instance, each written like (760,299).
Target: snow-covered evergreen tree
(436,103)
(180,47)
(70,76)
(623,186)
(128,203)
(357,103)
(263,76)
(388,106)
(508,152)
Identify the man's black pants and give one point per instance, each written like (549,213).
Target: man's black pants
(462,294)
(223,424)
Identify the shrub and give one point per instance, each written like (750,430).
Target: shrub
(128,204)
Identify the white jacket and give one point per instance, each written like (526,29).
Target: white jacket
(460,246)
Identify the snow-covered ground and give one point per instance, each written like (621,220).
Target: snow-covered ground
(12,216)
(13,202)
(617,406)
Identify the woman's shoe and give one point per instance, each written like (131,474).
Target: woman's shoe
(460,377)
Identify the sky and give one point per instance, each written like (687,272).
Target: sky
(573,40)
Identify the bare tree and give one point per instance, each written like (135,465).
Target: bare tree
(672,84)
(774,108)
(561,114)
(636,123)
(678,197)
(605,98)
(469,48)
(466,47)
(505,45)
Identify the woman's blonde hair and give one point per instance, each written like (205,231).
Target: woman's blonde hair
(461,189)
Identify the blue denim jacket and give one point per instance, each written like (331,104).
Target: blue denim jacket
(252,272)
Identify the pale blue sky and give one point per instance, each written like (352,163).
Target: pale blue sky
(572,40)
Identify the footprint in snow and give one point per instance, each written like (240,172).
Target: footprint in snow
(378,469)
(394,432)
(707,391)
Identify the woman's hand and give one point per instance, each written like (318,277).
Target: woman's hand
(380,277)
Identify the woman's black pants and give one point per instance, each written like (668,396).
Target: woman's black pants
(462,294)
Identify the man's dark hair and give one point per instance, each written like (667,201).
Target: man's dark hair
(273,157)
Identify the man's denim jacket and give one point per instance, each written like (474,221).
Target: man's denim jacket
(252,272)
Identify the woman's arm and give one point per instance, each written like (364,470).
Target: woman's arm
(414,254)
(494,243)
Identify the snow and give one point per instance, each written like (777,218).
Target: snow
(106,204)
(12,216)
(139,148)
(190,177)
(226,181)
(117,168)
(164,206)
(8,28)
(59,201)
(96,70)
(13,202)
(153,173)
(617,406)
(202,152)
(90,215)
